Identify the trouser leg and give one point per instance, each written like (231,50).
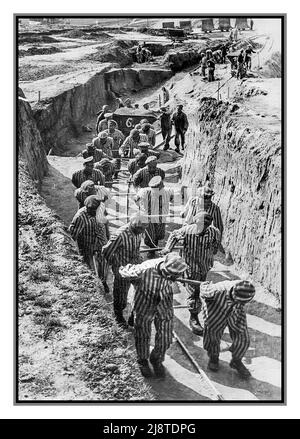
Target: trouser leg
(163,337)
(120,292)
(240,339)
(176,140)
(182,135)
(193,299)
(212,339)
(142,327)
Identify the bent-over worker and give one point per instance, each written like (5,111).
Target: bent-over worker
(224,305)
(153,301)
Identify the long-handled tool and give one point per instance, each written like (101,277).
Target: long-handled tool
(201,372)
(127,204)
(156,249)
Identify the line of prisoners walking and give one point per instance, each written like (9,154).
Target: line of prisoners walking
(198,240)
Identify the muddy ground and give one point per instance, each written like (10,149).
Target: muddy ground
(70,348)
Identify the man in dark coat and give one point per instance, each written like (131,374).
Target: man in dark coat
(180,122)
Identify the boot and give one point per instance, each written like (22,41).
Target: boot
(158,367)
(213,364)
(240,367)
(120,319)
(106,287)
(195,324)
(144,368)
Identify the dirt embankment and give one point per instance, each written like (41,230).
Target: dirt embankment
(70,347)
(62,114)
(117,52)
(242,159)
(31,146)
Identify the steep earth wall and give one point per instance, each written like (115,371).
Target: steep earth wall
(30,145)
(62,115)
(242,160)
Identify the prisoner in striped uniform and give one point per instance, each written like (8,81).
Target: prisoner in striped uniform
(223,305)
(88,188)
(154,201)
(107,167)
(118,138)
(105,143)
(149,133)
(123,248)
(100,116)
(137,163)
(200,242)
(203,202)
(90,235)
(92,151)
(130,145)
(88,173)
(153,301)
(142,177)
(103,124)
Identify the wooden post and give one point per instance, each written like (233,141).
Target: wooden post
(218,91)
(39,96)
(228,93)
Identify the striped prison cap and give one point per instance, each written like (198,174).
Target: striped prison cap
(174,264)
(93,201)
(244,291)
(102,135)
(138,219)
(151,159)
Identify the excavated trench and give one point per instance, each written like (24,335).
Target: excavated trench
(240,158)
(61,115)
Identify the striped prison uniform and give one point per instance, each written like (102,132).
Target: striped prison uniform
(108,169)
(90,237)
(97,154)
(150,136)
(122,249)
(133,166)
(219,311)
(155,201)
(106,146)
(196,204)
(80,176)
(142,177)
(100,191)
(153,301)
(118,138)
(128,147)
(103,125)
(198,252)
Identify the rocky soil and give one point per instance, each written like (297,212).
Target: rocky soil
(70,347)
